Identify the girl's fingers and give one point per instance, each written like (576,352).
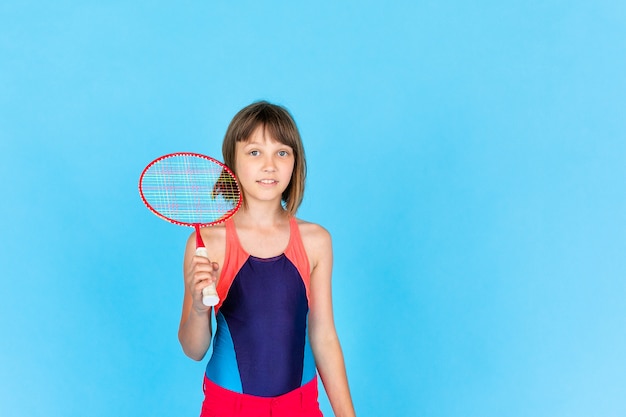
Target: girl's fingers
(203,264)
(204,270)
(202,273)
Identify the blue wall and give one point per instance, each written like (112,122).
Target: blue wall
(469,160)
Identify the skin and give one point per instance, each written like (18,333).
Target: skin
(264,167)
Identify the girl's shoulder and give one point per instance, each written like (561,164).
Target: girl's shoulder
(314,236)
(214,238)
(210,233)
(317,244)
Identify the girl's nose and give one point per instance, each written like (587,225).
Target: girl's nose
(268,165)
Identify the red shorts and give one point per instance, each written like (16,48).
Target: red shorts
(220,402)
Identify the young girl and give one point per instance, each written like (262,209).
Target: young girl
(275,327)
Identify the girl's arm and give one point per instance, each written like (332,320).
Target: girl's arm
(194,332)
(322,332)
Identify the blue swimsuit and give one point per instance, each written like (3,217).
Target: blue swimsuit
(261,345)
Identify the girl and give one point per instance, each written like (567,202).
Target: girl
(275,327)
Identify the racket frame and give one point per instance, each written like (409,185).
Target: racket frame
(222,219)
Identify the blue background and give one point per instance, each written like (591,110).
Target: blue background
(468,158)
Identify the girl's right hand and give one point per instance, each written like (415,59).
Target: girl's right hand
(200,274)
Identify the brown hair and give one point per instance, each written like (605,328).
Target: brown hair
(281,127)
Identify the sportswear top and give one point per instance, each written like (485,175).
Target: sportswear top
(261,344)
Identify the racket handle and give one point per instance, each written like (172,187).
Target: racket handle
(209,293)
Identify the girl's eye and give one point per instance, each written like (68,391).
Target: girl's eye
(283,153)
(254,153)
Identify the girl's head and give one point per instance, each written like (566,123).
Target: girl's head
(279,126)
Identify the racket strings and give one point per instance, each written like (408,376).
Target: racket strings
(189,189)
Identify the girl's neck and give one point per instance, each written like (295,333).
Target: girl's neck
(260,215)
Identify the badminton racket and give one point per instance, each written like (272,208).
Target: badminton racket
(190,189)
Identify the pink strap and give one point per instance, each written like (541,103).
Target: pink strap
(234,258)
(296,253)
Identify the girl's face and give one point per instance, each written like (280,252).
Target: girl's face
(263,166)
